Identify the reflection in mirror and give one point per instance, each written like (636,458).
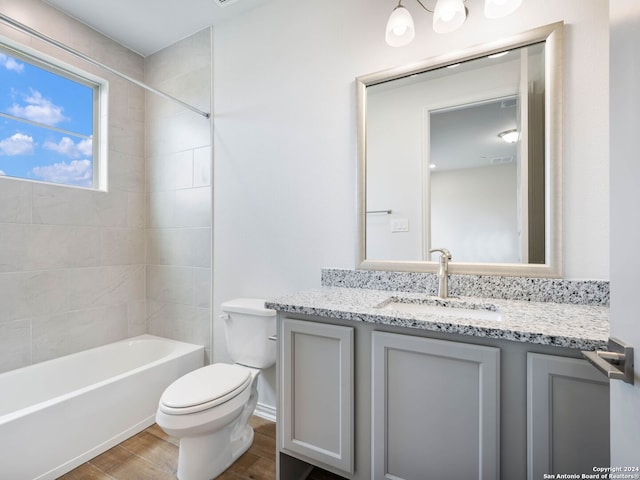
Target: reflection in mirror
(464,154)
(474,182)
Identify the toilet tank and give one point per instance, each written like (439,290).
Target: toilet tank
(248,326)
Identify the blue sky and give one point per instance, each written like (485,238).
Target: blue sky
(33,152)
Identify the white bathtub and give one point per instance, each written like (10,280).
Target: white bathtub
(58,414)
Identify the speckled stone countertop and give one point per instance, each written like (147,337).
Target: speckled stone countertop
(579,326)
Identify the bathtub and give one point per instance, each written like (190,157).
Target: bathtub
(58,414)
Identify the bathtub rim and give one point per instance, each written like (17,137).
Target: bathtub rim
(183,348)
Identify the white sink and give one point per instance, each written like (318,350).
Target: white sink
(442,307)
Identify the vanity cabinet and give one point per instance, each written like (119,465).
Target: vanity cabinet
(372,402)
(567,416)
(436,408)
(316,392)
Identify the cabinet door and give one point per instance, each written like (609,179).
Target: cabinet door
(435,409)
(316,388)
(567,416)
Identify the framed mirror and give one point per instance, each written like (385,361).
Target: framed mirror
(464,152)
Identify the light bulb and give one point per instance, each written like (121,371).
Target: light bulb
(400,30)
(510,136)
(448,15)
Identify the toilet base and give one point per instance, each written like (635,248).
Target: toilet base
(242,443)
(203,455)
(207,456)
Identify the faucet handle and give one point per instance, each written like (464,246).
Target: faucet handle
(443,251)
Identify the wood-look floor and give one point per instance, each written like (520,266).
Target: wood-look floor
(153,455)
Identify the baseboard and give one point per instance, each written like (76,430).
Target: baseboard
(267,412)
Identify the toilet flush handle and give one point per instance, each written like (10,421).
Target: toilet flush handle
(224,316)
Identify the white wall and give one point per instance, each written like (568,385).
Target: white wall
(285,134)
(72,260)
(474,213)
(625,221)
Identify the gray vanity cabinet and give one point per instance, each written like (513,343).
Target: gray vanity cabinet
(567,416)
(316,392)
(373,402)
(436,409)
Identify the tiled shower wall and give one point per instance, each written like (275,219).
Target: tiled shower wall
(80,268)
(178,276)
(72,261)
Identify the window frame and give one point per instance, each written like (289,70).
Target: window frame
(100,88)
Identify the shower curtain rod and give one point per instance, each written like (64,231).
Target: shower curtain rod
(25,29)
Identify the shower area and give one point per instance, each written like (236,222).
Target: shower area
(80,268)
(179,193)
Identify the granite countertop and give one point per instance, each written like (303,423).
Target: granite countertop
(584,327)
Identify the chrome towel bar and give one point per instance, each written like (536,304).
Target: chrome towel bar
(385,212)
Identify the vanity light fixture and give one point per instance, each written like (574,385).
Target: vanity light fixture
(448,15)
(400,29)
(510,136)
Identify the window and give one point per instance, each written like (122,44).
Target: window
(48,122)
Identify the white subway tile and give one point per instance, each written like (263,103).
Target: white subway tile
(57,335)
(137,318)
(169,284)
(28,294)
(202,167)
(103,286)
(122,246)
(202,287)
(15,345)
(193,207)
(15,200)
(185,323)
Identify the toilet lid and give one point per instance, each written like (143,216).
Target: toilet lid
(206,385)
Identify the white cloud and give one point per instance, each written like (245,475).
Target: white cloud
(10,63)
(67,147)
(2,172)
(17,144)
(77,172)
(38,109)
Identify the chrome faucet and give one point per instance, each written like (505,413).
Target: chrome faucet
(443,271)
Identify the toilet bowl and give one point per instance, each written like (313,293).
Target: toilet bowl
(209,408)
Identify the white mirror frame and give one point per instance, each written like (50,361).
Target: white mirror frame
(552,35)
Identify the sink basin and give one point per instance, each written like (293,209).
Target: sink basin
(442,307)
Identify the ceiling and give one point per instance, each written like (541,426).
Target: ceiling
(467,136)
(146,26)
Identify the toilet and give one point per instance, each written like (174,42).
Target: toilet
(209,408)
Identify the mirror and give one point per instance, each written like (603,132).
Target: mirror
(437,167)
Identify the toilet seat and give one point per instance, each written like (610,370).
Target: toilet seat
(205,388)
